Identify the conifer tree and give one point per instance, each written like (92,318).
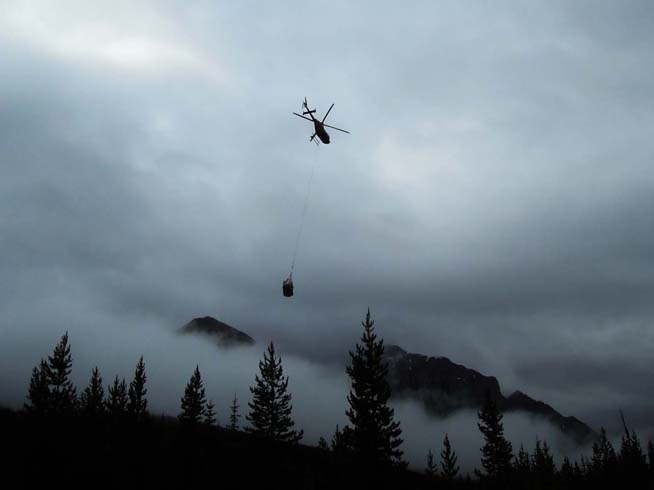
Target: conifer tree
(339,442)
(38,395)
(578,470)
(650,455)
(585,466)
(604,459)
(63,395)
(449,466)
(193,401)
(543,464)
(633,462)
(375,436)
(497,450)
(92,398)
(432,468)
(117,402)
(234,414)
(137,405)
(210,414)
(322,444)
(522,467)
(631,451)
(522,462)
(270,408)
(567,472)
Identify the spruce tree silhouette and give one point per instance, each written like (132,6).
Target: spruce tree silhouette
(585,465)
(522,468)
(650,456)
(339,444)
(633,463)
(270,408)
(604,459)
(543,465)
(375,436)
(137,405)
(522,462)
(431,469)
(194,401)
(322,444)
(449,466)
(117,402)
(234,414)
(497,450)
(210,414)
(580,472)
(63,395)
(38,395)
(92,398)
(567,473)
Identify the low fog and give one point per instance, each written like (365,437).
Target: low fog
(319,391)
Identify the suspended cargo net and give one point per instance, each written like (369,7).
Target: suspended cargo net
(287,286)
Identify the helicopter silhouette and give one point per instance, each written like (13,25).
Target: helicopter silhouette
(318,126)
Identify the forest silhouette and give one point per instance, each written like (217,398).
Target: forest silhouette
(60,437)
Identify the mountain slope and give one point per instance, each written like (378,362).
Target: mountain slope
(441,385)
(571,426)
(445,387)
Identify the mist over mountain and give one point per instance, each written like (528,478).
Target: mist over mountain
(440,385)
(444,387)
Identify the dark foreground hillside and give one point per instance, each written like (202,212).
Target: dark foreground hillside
(97,438)
(161,451)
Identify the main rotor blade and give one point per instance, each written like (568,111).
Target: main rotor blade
(330,108)
(338,129)
(298,115)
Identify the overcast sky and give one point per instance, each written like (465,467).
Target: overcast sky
(493,203)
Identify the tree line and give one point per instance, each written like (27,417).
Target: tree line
(372,438)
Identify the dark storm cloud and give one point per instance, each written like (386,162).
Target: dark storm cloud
(493,203)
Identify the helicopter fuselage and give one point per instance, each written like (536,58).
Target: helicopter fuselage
(320,131)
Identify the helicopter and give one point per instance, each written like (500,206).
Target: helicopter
(319,126)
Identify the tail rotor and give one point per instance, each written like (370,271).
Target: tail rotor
(305,108)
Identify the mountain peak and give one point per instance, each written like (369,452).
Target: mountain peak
(223,334)
(393,351)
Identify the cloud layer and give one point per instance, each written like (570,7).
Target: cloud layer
(492,203)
